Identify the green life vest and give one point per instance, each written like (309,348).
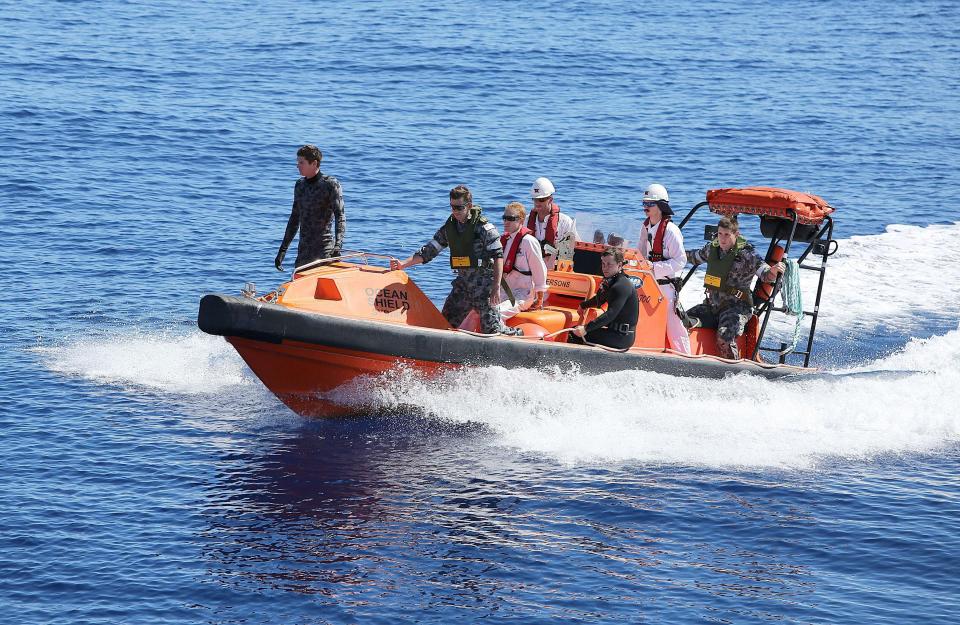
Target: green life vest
(462,255)
(718,269)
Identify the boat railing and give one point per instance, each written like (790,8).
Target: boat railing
(350,254)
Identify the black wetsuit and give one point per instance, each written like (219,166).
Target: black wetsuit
(617,327)
(317,208)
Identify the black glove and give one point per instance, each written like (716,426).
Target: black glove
(278,261)
(335,252)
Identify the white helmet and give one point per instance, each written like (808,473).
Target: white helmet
(655,192)
(542,187)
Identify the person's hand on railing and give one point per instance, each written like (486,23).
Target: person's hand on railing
(776,270)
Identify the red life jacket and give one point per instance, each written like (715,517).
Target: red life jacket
(510,256)
(656,253)
(550,234)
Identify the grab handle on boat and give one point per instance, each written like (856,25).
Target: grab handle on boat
(544,337)
(343,256)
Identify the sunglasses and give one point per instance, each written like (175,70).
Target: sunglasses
(511,217)
(541,200)
(457,207)
(649,203)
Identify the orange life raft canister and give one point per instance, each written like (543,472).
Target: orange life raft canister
(771,201)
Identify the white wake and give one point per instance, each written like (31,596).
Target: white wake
(191,363)
(902,404)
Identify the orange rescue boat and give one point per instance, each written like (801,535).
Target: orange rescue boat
(342,318)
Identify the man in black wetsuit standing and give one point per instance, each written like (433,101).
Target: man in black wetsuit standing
(317,205)
(617,327)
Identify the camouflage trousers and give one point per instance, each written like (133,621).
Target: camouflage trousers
(471,291)
(730,323)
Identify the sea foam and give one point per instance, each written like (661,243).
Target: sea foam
(901,404)
(182,363)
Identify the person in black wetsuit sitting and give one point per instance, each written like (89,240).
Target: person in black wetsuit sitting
(617,326)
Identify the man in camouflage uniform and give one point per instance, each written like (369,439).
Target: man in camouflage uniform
(476,256)
(731,265)
(317,205)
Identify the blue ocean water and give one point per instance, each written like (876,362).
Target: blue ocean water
(147,156)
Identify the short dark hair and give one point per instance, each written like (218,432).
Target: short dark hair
(461,192)
(311,153)
(729,222)
(615,252)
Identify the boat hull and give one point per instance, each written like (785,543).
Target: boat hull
(303,375)
(304,356)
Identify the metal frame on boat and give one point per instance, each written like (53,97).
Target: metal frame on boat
(783,225)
